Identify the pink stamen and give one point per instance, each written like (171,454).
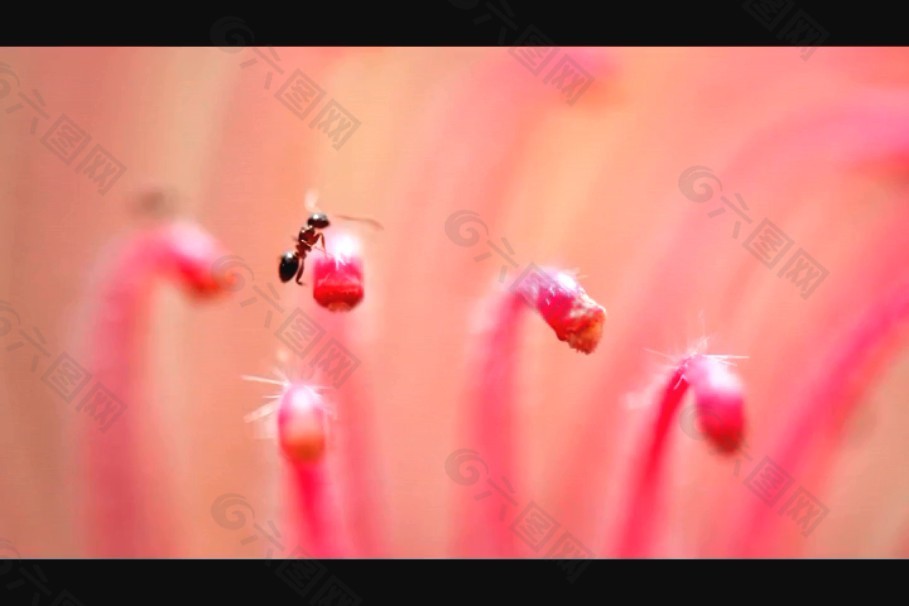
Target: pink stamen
(302,435)
(338,287)
(125,518)
(359,477)
(577,319)
(327,484)
(720,411)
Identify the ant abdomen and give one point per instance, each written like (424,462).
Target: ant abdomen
(290,263)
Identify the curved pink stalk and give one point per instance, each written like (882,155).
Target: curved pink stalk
(359,477)
(720,411)
(120,497)
(575,318)
(826,401)
(302,436)
(338,286)
(482,533)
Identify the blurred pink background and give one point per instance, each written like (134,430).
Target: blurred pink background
(591,185)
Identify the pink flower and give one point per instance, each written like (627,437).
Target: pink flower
(718,202)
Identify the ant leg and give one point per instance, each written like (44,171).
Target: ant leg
(321,237)
(300,274)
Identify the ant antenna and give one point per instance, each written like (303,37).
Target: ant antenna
(372,222)
(311,201)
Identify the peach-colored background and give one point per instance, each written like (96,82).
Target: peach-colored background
(592,186)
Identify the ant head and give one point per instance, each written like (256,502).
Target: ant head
(318,220)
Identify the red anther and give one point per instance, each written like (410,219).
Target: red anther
(191,252)
(301,424)
(338,276)
(566,307)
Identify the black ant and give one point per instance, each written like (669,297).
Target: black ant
(292,260)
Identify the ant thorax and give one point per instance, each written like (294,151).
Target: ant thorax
(308,236)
